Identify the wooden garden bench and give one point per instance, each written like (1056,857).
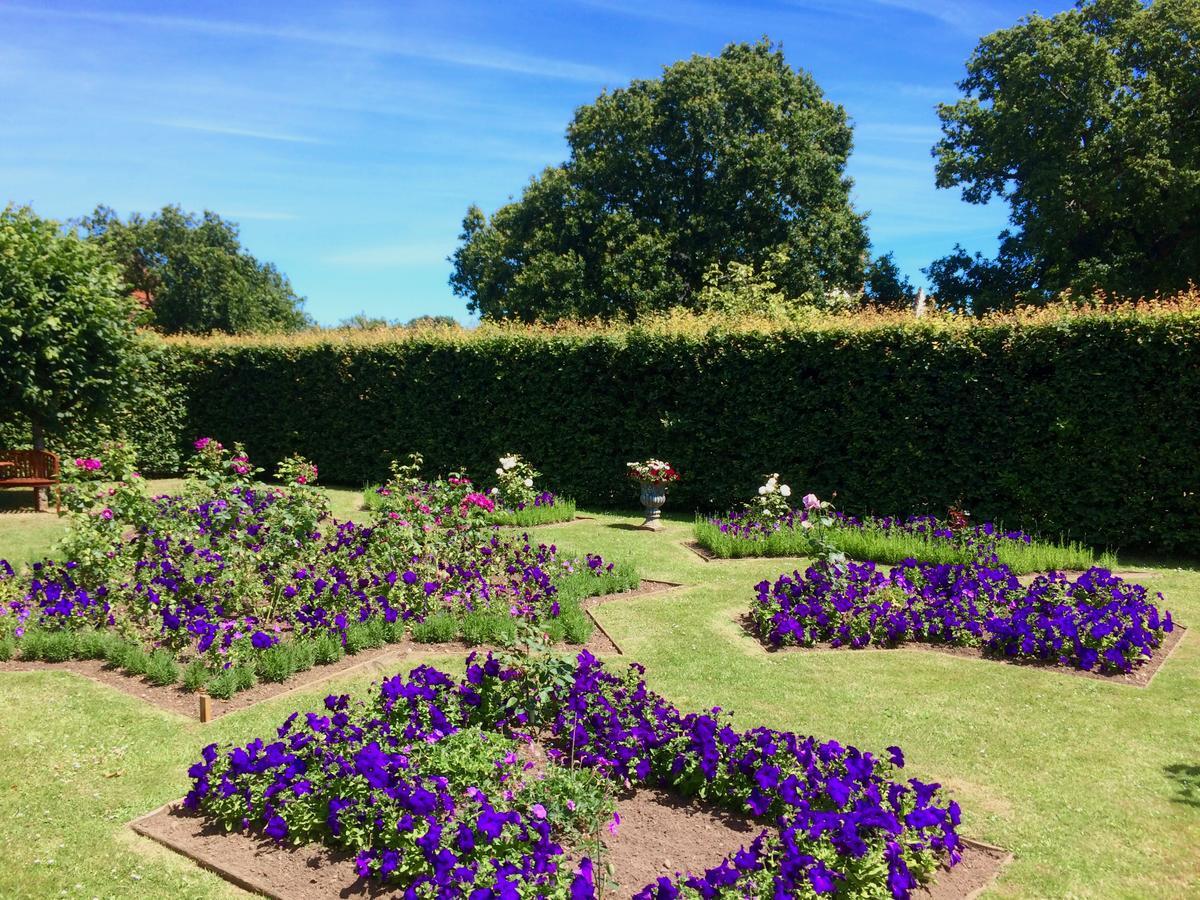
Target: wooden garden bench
(35,469)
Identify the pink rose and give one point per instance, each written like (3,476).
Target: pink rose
(811,501)
(106,513)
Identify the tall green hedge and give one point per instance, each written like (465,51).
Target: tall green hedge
(1086,425)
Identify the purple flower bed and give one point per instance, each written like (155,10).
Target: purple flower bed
(430,786)
(1096,622)
(746,525)
(230,574)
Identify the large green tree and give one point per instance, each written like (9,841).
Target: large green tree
(733,159)
(66,325)
(1088,125)
(193,275)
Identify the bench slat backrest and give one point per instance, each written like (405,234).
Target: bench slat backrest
(29,464)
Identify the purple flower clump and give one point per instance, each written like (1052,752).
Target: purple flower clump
(360,777)
(1097,621)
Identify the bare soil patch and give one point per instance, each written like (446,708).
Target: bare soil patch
(1139,677)
(659,835)
(979,867)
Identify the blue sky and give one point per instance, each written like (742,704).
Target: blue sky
(348,139)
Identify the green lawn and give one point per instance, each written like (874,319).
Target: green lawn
(1094,786)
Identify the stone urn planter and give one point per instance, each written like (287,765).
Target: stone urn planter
(653,498)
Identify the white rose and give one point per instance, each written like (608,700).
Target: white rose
(508,462)
(762,491)
(528,482)
(499,471)
(494,491)
(785,490)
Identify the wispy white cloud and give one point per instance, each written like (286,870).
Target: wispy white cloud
(234,131)
(387,256)
(414,47)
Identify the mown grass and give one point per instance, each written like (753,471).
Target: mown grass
(892,546)
(1093,785)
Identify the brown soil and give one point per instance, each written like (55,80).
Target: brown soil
(979,867)
(389,658)
(1139,677)
(659,835)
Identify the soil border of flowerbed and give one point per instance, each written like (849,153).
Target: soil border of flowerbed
(242,852)
(1141,677)
(175,701)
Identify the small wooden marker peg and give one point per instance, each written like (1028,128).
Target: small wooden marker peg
(205,708)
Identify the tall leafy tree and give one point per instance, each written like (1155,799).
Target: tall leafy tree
(1086,124)
(886,285)
(193,275)
(733,159)
(67,333)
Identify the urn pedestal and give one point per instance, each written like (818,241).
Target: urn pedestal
(653,498)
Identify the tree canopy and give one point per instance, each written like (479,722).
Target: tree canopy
(1086,125)
(730,159)
(192,274)
(66,323)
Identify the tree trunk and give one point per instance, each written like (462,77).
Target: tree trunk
(39,443)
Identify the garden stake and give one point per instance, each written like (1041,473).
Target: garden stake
(205,708)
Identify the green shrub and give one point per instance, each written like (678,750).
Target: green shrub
(304,655)
(116,648)
(436,629)
(8,647)
(487,627)
(92,644)
(364,636)
(327,649)
(577,625)
(161,668)
(223,685)
(276,663)
(195,673)
(243,677)
(394,632)
(33,644)
(135,660)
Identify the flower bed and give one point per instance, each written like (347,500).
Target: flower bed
(1095,622)
(799,532)
(234,580)
(501,783)
(513,500)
